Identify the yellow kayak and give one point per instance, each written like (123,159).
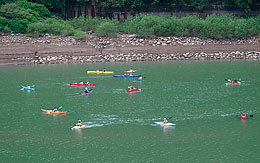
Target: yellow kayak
(77,127)
(100,72)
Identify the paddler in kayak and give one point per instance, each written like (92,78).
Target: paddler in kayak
(131,88)
(104,69)
(86,90)
(55,109)
(243,115)
(79,123)
(87,82)
(165,121)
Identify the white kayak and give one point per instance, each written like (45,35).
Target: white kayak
(78,127)
(165,124)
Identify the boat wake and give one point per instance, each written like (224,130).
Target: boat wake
(119,91)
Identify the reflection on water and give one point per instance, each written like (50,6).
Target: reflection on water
(166,129)
(79,134)
(243,121)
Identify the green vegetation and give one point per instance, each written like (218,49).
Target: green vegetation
(34,19)
(102,27)
(196,5)
(217,27)
(85,24)
(20,14)
(54,27)
(108,28)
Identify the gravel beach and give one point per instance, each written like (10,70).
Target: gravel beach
(18,49)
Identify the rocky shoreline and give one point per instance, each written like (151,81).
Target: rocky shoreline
(20,49)
(141,57)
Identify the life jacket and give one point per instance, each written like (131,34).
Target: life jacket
(243,116)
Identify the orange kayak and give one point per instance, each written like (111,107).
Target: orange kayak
(52,112)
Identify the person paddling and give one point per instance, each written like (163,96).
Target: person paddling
(131,88)
(55,109)
(243,115)
(79,123)
(86,90)
(165,121)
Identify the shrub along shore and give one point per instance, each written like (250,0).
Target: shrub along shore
(215,27)
(35,20)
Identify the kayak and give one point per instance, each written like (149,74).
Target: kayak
(130,71)
(232,83)
(78,127)
(83,84)
(100,72)
(28,89)
(84,93)
(163,124)
(133,90)
(126,76)
(52,112)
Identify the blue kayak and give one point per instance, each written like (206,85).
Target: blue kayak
(28,89)
(126,76)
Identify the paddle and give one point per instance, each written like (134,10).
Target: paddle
(60,107)
(170,117)
(249,115)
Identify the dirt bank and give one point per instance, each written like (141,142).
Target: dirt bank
(20,49)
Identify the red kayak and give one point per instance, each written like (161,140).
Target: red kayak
(83,84)
(53,112)
(136,89)
(84,93)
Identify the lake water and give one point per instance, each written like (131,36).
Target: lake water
(120,126)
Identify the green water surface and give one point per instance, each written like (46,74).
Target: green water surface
(120,125)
